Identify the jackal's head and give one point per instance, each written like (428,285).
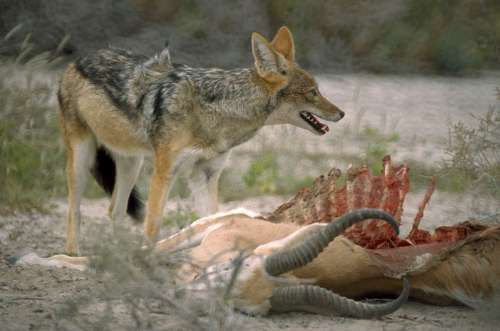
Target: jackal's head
(298,100)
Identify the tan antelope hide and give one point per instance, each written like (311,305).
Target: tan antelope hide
(457,264)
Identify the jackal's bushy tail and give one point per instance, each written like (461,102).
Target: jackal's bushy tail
(104,172)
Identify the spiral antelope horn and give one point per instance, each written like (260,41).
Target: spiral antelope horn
(300,255)
(315,299)
(310,297)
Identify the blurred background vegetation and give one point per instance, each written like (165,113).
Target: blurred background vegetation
(452,37)
(444,36)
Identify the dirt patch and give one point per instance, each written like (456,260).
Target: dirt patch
(34,297)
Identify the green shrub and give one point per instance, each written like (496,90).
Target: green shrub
(181,217)
(31,155)
(455,51)
(375,145)
(273,173)
(262,175)
(473,154)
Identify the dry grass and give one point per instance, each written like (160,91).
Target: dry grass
(139,290)
(31,166)
(473,153)
(32,158)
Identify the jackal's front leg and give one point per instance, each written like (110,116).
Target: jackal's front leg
(158,191)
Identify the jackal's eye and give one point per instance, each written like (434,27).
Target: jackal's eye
(312,94)
(283,72)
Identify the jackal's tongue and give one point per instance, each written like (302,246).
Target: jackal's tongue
(313,121)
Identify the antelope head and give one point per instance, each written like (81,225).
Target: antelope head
(262,282)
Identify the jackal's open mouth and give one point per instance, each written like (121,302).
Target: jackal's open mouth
(313,121)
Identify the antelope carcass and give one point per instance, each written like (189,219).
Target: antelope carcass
(332,243)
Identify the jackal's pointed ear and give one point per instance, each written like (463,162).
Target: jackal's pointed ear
(266,61)
(283,43)
(270,65)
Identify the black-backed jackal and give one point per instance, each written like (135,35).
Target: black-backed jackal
(117,107)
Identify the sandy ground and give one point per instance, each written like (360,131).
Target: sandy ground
(30,296)
(418,108)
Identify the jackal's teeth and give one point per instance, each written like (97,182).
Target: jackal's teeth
(312,121)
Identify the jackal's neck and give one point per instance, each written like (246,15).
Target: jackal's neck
(238,92)
(230,106)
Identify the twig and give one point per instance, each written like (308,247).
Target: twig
(425,201)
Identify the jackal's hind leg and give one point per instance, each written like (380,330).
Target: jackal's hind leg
(204,183)
(127,171)
(80,158)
